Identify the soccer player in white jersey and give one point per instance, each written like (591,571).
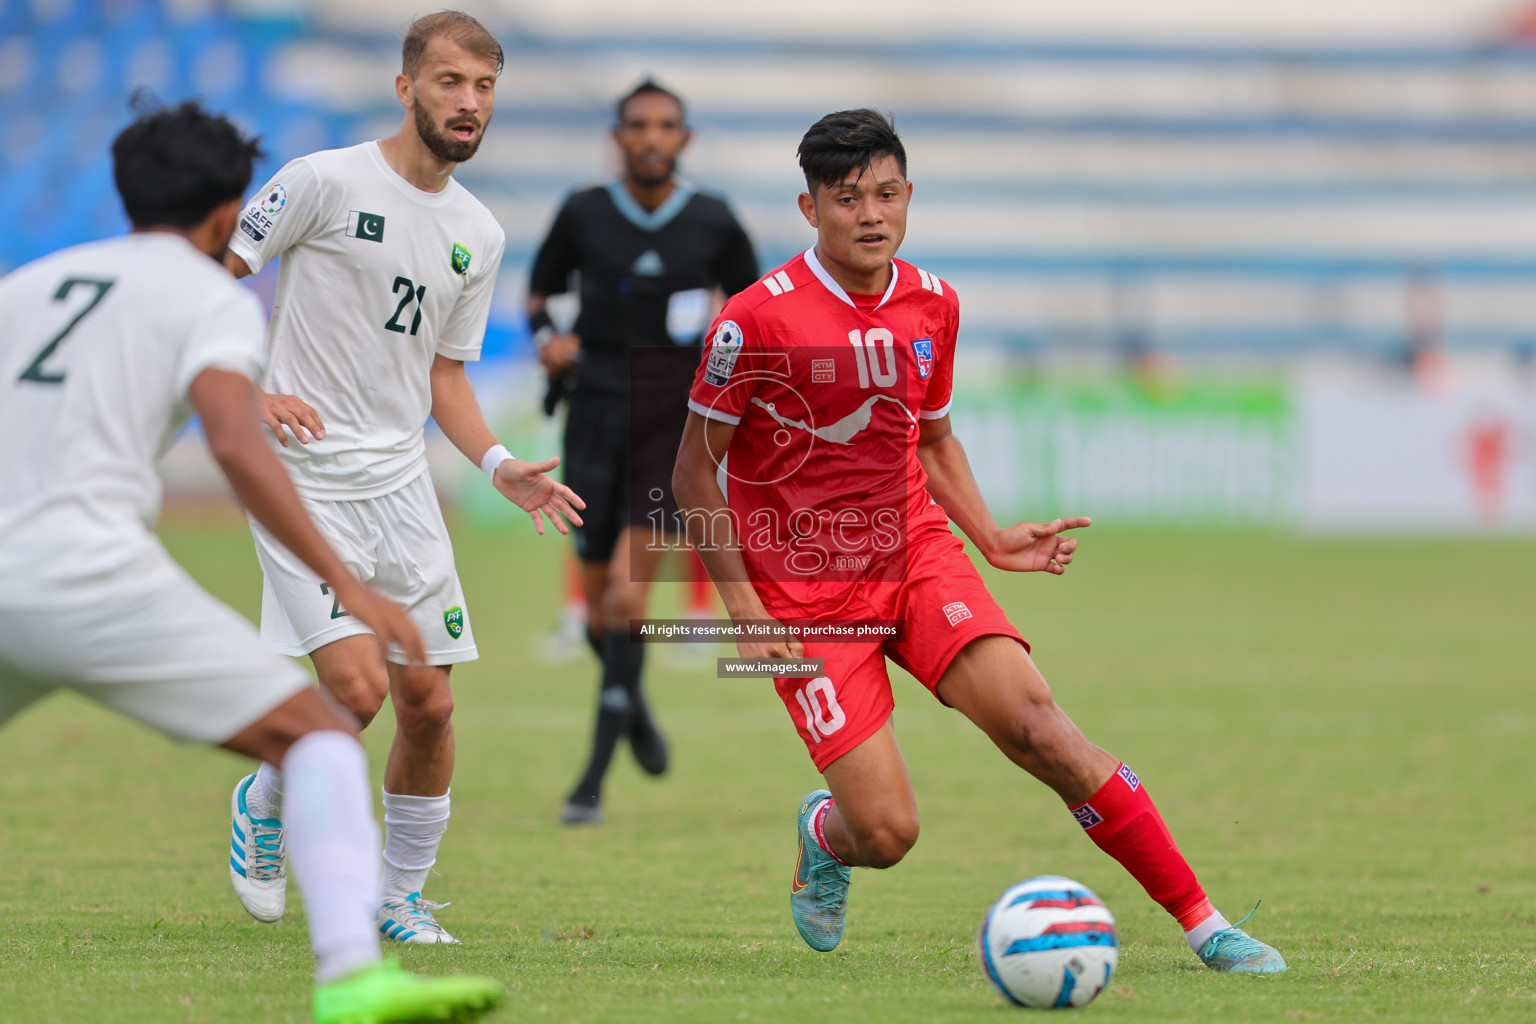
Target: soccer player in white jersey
(108,348)
(385,284)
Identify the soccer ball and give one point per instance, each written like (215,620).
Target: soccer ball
(1048,942)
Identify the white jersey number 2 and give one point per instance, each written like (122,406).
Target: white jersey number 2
(820,721)
(36,372)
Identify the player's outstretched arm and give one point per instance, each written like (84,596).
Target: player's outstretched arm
(226,402)
(1022,547)
(712,528)
(527,485)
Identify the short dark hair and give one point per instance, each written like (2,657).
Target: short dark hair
(456,27)
(174,165)
(848,141)
(649,87)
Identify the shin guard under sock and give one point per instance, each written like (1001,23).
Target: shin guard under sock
(1122,820)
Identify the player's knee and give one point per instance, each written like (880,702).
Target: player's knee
(428,714)
(1042,733)
(886,844)
(360,690)
(624,601)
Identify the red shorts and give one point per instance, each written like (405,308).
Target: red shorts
(944,605)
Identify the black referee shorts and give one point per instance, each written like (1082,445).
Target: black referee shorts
(619,458)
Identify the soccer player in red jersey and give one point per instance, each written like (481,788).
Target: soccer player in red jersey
(828,386)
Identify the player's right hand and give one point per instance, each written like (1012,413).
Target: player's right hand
(279,411)
(560,352)
(388,620)
(781,646)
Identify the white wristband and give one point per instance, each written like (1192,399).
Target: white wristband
(494,457)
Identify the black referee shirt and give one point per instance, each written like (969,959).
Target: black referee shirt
(637,270)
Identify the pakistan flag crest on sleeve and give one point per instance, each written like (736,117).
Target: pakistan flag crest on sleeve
(460,259)
(453,618)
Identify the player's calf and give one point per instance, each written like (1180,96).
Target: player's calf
(874,844)
(873,822)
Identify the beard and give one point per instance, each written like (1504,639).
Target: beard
(647,179)
(443,145)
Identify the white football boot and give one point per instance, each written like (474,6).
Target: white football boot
(411,920)
(258,859)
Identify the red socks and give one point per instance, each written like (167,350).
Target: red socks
(819,830)
(1124,822)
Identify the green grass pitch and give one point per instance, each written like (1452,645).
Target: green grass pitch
(1344,729)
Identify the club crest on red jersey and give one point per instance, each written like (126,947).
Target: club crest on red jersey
(923,349)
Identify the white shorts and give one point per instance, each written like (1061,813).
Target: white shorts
(168,655)
(396,543)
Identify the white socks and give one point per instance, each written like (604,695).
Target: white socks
(331,842)
(1201,933)
(413,830)
(265,797)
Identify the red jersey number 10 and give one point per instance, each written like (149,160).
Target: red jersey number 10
(867,346)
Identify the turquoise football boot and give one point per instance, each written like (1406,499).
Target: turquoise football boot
(818,894)
(1237,952)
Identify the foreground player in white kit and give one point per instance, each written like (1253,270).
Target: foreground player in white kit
(387,271)
(108,347)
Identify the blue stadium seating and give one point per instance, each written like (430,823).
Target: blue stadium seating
(1201,198)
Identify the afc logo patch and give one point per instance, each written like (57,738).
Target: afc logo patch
(923,349)
(1129,777)
(1086,816)
(956,612)
(823,371)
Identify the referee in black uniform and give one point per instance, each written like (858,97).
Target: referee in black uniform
(650,253)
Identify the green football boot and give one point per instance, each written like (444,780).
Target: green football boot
(1235,951)
(384,994)
(818,894)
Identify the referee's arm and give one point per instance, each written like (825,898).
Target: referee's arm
(556,261)
(736,269)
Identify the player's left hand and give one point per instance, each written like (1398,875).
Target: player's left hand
(529,486)
(1036,547)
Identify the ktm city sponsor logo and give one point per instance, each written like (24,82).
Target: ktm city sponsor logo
(956,612)
(1086,816)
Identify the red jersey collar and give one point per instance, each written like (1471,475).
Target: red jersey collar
(837,289)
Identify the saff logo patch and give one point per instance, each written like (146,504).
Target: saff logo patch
(1086,816)
(723,351)
(1129,777)
(923,349)
(453,619)
(273,202)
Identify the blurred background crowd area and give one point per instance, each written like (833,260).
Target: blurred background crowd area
(1265,265)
